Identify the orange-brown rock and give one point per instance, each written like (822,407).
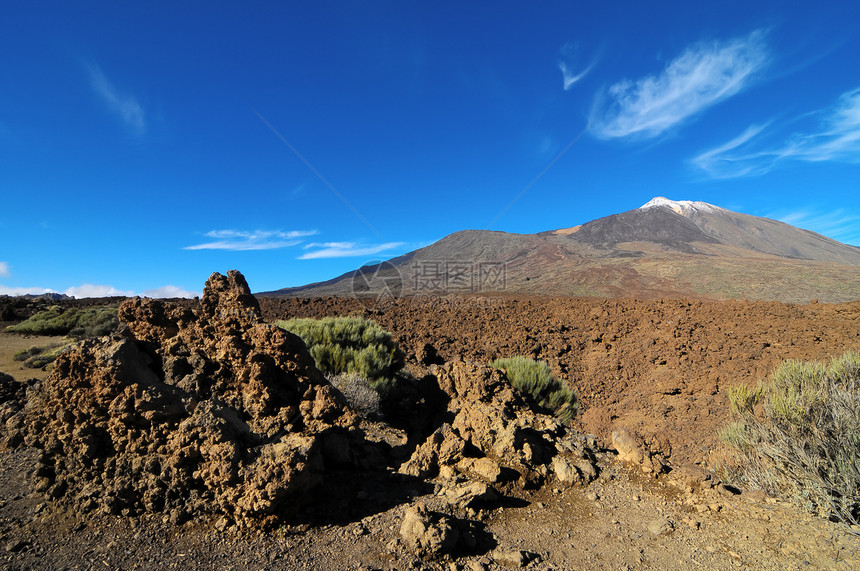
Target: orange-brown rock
(496,431)
(187,411)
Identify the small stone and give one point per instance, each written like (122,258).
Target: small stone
(514,558)
(392,546)
(592,496)
(222,524)
(16,545)
(660,527)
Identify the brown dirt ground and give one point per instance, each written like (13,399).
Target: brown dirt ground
(657,367)
(11,343)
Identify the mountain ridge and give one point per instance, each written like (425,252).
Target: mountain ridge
(665,248)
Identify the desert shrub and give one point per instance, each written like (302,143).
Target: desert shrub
(798,435)
(358,393)
(75,321)
(535,378)
(39,357)
(351,345)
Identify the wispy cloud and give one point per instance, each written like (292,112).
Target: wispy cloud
(345,250)
(722,162)
(703,75)
(257,240)
(837,224)
(570,76)
(4,270)
(125,106)
(835,138)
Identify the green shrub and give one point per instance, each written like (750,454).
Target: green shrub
(350,345)
(40,357)
(535,378)
(798,436)
(74,321)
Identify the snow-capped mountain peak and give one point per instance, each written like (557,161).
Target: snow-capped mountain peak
(683,207)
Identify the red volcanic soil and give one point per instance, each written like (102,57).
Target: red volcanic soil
(660,368)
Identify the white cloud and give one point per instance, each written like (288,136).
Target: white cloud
(6,290)
(4,270)
(569,77)
(703,75)
(345,250)
(720,161)
(169,291)
(569,54)
(258,240)
(92,290)
(837,138)
(127,107)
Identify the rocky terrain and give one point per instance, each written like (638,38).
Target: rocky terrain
(198,435)
(659,367)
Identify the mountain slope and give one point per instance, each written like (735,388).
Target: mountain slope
(663,249)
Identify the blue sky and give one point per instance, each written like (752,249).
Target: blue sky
(144,146)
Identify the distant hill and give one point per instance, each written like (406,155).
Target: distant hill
(665,248)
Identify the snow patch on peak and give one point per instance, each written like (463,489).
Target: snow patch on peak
(683,207)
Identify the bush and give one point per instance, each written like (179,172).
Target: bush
(351,345)
(74,321)
(798,436)
(39,357)
(358,393)
(535,378)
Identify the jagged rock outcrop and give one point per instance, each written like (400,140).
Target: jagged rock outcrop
(12,399)
(495,435)
(188,411)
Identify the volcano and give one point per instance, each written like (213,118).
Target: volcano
(665,248)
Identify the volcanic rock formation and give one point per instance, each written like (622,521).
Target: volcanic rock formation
(496,437)
(186,412)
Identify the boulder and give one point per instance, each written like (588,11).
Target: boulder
(468,494)
(692,478)
(428,534)
(633,450)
